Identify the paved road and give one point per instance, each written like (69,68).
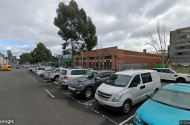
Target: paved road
(30,100)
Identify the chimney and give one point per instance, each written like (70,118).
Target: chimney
(144,50)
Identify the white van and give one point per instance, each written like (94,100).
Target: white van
(124,89)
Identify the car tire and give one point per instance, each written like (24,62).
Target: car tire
(126,107)
(56,78)
(88,92)
(180,80)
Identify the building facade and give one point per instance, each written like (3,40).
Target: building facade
(179,48)
(115,59)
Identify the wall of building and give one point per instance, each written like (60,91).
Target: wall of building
(112,57)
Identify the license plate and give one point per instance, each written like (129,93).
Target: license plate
(72,89)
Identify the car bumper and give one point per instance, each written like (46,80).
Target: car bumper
(108,104)
(64,83)
(75,91)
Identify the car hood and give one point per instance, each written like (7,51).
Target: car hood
(81,81)
(108,89)
(182,74)
(159,114)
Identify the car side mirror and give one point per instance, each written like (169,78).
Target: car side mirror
(97,78)
(133,84)
(148,95)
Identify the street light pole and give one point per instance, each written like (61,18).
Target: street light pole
(82,58)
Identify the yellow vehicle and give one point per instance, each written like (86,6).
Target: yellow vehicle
(4,68)
(9,67)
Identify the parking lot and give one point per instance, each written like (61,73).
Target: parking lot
(66,107)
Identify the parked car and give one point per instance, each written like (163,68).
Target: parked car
(169,74)
(88,84)
(124,89)
(39,70)
(67,75)
(53,74)
(17,67)
(167,107)
(4,68)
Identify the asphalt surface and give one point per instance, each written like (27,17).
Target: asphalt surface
(30,100)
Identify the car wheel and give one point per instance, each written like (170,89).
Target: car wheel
(88,92)
(126,107)
(56,78)
(181,80)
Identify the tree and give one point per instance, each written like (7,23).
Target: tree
(40,54)
(75,28)
(99,50)
(160,42)
(25,57)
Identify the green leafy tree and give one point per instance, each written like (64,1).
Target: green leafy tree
(25,57)
(40,54)
(75,28)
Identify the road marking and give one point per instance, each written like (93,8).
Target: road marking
(88,101)
(35,80)
(126,120)
(91,109)
(50,93)
(30,75)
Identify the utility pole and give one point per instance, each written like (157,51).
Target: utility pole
(82,58)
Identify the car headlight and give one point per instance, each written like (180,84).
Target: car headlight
(78,86)
(117,97)
(137,119)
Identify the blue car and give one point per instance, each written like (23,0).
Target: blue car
(166,107)
(18,67)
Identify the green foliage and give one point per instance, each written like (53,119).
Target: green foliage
(75,28)
(40,54)
(25,57)
(158,65)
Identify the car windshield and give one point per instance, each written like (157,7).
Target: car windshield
(41,68)
(176,99)
(118,80)
(90,75)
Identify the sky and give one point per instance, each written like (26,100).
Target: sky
(122,23)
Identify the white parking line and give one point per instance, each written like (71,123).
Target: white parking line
(126,120)
(30,75)
(88,101)
(50,93)
(35,80)
(91,109)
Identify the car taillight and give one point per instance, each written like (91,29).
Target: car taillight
(65,77)
(49,74)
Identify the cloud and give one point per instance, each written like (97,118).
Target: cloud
(118,23)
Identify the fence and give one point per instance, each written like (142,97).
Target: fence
(122,67)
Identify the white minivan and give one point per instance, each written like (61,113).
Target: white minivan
(124,89)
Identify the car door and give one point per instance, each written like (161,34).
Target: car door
(98,82)
(168,74)
(148,83)
(136,89)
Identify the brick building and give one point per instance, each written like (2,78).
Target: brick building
(112,58)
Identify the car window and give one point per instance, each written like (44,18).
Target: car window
(136,79)
(64,72)
(167,71)
(78,72)
(101,75)
(107,74)
(146,77)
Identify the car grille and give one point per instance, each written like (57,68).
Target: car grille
(103,95)
(72,85)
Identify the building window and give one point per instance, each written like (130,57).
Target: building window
(182,47)
(91,58)
(76,58)
(98,63)
(107,57)
(91,64)
(182,53)
(107,65)
(84,58)
(183,31)
(184,37)
(84,64)
(77,63)
(99,57)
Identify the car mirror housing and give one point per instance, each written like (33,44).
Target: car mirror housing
(148,95)
(133,84)
(97,78)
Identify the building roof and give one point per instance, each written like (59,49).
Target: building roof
(185,87)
